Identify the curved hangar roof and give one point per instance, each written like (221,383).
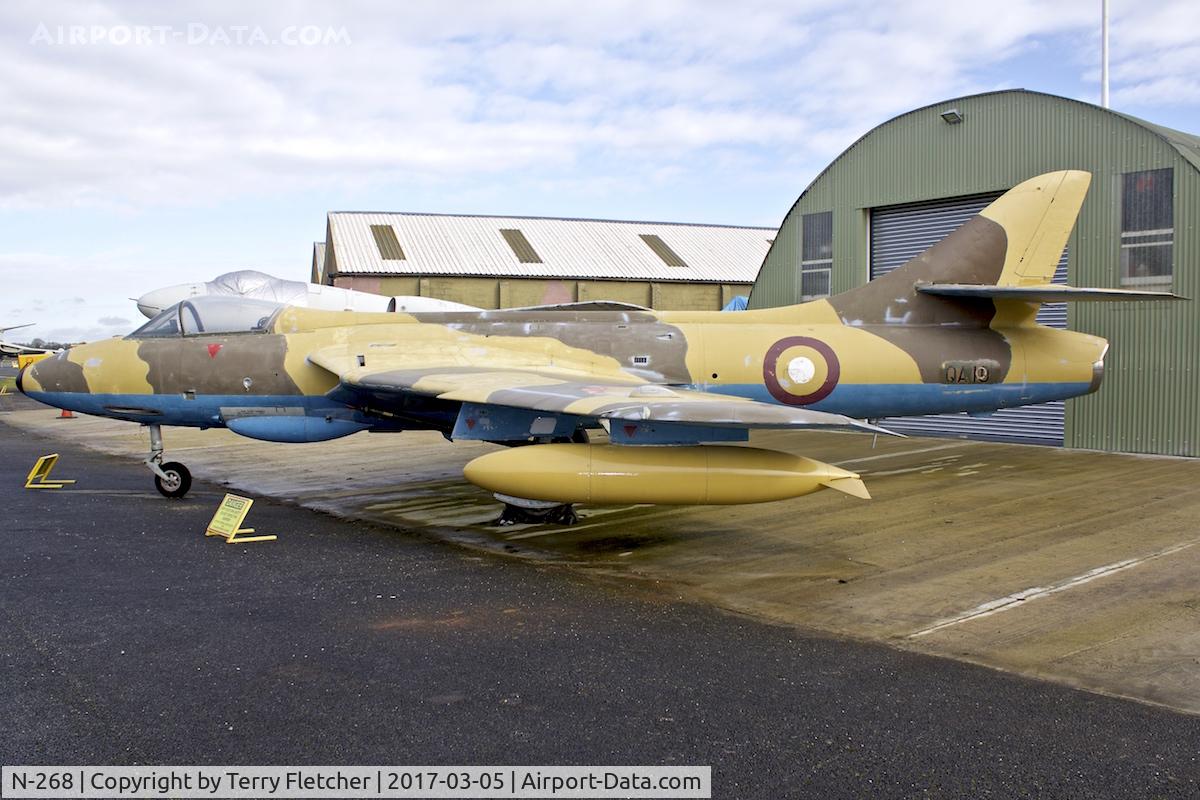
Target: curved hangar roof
(983,143)
(367,243)
(1011,120)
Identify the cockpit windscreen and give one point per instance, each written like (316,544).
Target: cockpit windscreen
(208,315)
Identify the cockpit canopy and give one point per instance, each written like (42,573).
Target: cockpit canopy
(208,315)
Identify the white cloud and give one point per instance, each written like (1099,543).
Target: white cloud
(429,90)
(1154,54)
(83,291)
(618,106)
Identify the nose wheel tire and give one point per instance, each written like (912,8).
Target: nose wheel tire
(177,482)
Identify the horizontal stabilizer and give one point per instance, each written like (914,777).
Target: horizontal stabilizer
(1041,293)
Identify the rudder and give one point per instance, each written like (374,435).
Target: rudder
(1037,217)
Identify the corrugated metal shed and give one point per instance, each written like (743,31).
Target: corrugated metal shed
(1150,400)
(439,244)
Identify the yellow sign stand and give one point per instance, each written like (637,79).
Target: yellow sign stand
(228,519)
(39,476)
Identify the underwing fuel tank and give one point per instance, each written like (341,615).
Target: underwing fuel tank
(692,475)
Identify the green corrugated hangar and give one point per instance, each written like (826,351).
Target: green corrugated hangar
(910,181)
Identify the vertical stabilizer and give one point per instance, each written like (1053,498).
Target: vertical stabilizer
(1037,217)
(1016,241)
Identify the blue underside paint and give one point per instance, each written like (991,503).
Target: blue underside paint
(872,401)
(173,409)
(862,401)
(295,428)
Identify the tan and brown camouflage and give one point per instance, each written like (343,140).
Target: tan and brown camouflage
(953,330)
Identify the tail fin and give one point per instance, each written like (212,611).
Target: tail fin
(1037,217)
(1015,241)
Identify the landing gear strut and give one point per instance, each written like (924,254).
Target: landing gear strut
(519,511)
(172,479)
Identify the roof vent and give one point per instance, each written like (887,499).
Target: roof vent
(388,244)
(521,247)
(669,256)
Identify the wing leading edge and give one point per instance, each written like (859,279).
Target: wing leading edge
(572,392)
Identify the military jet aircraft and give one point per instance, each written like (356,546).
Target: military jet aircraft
(254,285)
(953,330)
(12,349)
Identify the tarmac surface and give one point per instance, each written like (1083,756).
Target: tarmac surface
(1078,567)
(128,637)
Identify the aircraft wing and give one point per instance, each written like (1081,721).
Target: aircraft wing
(13,350)
(571,391)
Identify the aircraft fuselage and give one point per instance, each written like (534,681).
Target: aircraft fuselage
(862,371)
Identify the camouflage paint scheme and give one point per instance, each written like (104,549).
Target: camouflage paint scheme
(888,348)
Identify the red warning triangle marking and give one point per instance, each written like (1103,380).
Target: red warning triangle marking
(213,349)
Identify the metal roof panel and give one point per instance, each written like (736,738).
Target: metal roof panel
(441,244)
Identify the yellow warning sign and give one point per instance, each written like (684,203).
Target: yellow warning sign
(39,476)
(226,523)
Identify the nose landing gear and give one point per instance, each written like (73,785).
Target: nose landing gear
(171,478)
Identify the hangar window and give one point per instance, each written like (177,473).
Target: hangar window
(816,255)
(660,248)
(521,247)
(388,244)
(1147,228)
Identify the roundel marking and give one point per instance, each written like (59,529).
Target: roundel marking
(801,369)
(794,365)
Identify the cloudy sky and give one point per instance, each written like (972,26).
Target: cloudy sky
(144,144)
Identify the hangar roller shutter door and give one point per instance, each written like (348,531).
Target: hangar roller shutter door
(900,232)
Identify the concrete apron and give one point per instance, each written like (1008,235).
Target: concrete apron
(1072,566)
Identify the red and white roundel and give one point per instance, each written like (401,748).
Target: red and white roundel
(800,370)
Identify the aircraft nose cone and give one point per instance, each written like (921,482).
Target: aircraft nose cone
(55,374)
(151,303)
(27,380)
